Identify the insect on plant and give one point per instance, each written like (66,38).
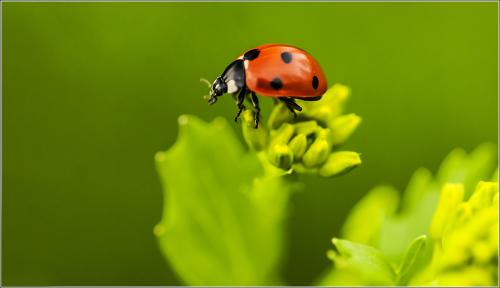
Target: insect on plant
(279,71)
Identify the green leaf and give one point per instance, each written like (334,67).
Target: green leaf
(358,264)
(223,217)
(372,209)
(399,231)
(417,256)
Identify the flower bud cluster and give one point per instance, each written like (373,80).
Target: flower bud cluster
(307,143)
(465,234)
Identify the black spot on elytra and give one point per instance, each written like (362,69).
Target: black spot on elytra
(252,54)
(276,83)
(315,82)
(286,57)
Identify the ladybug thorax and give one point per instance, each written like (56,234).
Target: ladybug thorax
(232,79)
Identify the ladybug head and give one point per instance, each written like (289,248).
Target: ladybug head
(218,88)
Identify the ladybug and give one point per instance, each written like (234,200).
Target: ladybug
(279,71)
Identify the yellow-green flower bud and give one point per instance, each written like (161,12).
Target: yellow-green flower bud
(483,195)
(306,127)
(255,138)
(482,252)
(316,154)
(340,162)
(298,145)
(343,126)
(279,115)
(325,134)
(281,156)
(449,201)
(331,105)
(283,134)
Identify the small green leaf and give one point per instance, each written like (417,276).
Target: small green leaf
(360,264)
(223,217)
(417,256)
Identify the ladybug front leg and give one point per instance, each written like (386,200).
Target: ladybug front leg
(239,102)
(255,103)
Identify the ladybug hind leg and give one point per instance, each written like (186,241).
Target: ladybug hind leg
(291,105)
(255,103)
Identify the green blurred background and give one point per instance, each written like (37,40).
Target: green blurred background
(92,90)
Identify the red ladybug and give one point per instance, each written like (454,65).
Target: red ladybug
(274,70)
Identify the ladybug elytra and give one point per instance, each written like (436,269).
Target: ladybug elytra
(274,70)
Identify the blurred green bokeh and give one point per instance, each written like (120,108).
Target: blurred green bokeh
(92,90)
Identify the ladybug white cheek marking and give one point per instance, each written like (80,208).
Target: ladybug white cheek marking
(231,86)
(246,64)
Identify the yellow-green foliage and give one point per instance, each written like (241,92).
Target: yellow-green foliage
(445,232)
(224,205)
(307,143)
(219,204)
(465,235)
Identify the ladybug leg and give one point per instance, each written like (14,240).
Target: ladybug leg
(255,103)
(239,102)
(291,105)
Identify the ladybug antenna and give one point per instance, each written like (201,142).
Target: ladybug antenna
(206,81)
(203,80)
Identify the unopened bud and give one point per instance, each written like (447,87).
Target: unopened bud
(281,156)
(306,127)
(483,195)
(283,134)
(256,138)
(339,163)
(279,115)
(449,201)
(336,98)
(343,126)
(316,154)
(298,146)
(325,134)
(331,105)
